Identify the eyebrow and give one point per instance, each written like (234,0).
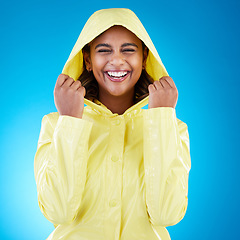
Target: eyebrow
(129,44)
(123,45)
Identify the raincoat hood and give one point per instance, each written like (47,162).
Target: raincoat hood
(99,22)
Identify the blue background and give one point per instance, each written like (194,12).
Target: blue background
(198,42)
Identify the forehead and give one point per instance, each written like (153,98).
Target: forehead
(117,34)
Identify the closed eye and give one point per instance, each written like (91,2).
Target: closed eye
(104,50)
(128,50)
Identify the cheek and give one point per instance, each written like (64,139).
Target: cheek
(137,64)
(97,61)
(136,60)
(97,67)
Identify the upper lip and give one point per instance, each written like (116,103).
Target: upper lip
(117,70)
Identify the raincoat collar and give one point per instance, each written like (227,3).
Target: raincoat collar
(102,109)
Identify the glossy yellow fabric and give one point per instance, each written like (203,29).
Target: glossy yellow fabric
(110,176)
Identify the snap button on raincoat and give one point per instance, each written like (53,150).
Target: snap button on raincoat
(108,176)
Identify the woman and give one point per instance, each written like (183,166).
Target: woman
(112,170)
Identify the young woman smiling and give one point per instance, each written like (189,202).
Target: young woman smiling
(110,169)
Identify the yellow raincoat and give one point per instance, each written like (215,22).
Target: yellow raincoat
(110,176)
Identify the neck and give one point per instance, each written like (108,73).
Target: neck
(117,104)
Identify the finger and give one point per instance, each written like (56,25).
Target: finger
(170,81)
(61,79)
(164,83)
(158,85)
(82,90)
(68,82)
(151,88)
(76,84)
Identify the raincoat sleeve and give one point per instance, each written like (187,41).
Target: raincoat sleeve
(60,166)
(167,165)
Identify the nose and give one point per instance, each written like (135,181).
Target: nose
(117,59)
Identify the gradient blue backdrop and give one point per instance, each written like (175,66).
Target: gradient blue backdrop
(198,42)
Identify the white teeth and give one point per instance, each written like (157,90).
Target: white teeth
(117,74)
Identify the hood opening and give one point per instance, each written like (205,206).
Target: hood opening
(99,22)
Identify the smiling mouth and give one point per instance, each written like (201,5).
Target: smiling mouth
(117,76)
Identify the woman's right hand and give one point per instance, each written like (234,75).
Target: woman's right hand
(69,96)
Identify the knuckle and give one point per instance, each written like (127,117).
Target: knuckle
(70,90)
(70,79)
(174,90)
(151,87)
(60,76)
(77,83)
(162,90)
(81,89)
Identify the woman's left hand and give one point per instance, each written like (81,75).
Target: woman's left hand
(162,93)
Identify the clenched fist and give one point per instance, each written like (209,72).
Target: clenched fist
(69,96)
(162,93)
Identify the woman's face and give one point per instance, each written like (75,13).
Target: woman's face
(116,59)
